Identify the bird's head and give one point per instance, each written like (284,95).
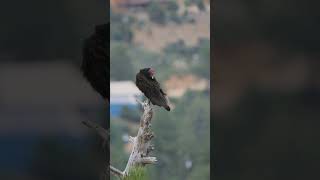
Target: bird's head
(149,72)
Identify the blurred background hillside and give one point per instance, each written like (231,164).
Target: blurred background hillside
(43,96)
(174,38)
(266,90)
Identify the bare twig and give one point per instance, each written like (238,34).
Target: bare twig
(104,134)
(116,171)
(148,160)
(100,130)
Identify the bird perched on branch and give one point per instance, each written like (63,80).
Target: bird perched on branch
(147,83)
(95,63)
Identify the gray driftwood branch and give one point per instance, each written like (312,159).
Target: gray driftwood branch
(141,142)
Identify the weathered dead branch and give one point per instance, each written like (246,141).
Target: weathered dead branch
(141,142)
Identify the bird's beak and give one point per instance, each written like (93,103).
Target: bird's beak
(152,77)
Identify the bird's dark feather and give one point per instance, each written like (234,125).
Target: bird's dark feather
(95,63)
(152,90)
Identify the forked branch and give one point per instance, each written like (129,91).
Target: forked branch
(141,142)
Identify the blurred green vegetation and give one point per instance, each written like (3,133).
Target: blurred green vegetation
(181,136)
(130,114)
(163,13)
(137,173)
(127,59)
(120,29)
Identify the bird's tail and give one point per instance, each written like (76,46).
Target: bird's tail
(167,107)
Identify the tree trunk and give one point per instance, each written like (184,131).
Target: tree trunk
(141,143)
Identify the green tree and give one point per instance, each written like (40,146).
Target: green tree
(120,62)
(156,13)
(194,134)
(118,157)
(202,65)
(165,129)
(120,30)
(183,135)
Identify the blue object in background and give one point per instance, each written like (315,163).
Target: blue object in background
(115,109)
(123,94)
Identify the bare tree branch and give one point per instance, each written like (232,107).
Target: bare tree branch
(100,130)
(116,171)
(141,143)
(148,160)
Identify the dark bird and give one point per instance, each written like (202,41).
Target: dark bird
(95,62)
(148,84)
